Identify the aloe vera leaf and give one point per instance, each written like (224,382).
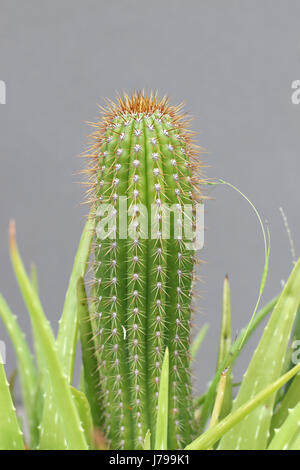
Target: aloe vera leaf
(34,278)
(41,385)
(12,384)
(38,354)
(62,403)
(11,436)
(26,367)
(67,334)
(81,386)
(161,434)
(231,357)
(289,401)
(84,412)
(147,440)
(39,399)
(52,431)
(224,347)
(265,367)
(197,342)
(294,351)
(68,323)
(284,435)
(295,444)
(90,370)
(212,435)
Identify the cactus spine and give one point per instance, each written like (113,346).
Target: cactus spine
(142,156)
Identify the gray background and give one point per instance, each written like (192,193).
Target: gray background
(232,62)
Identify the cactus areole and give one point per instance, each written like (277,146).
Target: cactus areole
(143,182)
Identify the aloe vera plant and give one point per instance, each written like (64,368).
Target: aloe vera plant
(133,318)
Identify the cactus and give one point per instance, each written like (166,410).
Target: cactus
(141,168)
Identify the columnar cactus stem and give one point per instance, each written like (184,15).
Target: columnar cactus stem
(141,177)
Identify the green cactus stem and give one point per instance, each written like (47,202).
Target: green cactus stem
(141,175)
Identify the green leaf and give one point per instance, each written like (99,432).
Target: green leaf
(81,380)
(147,440)
(68,324)
(38,401)
(62,405)
(224,347)
(84,412)
(38,394)
(198,340)
(231,357)
(67,336)
(26,367)
(295,444)
(219,400)
(89,359)
(289,402)
(34,278)
(12,384)
(293,355)
(265,367)
(10,432)
(212,435)
(226,329)
(284,400)
(161,434)
(290,428)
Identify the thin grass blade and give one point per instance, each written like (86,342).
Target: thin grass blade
(224,348)
(219,400)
